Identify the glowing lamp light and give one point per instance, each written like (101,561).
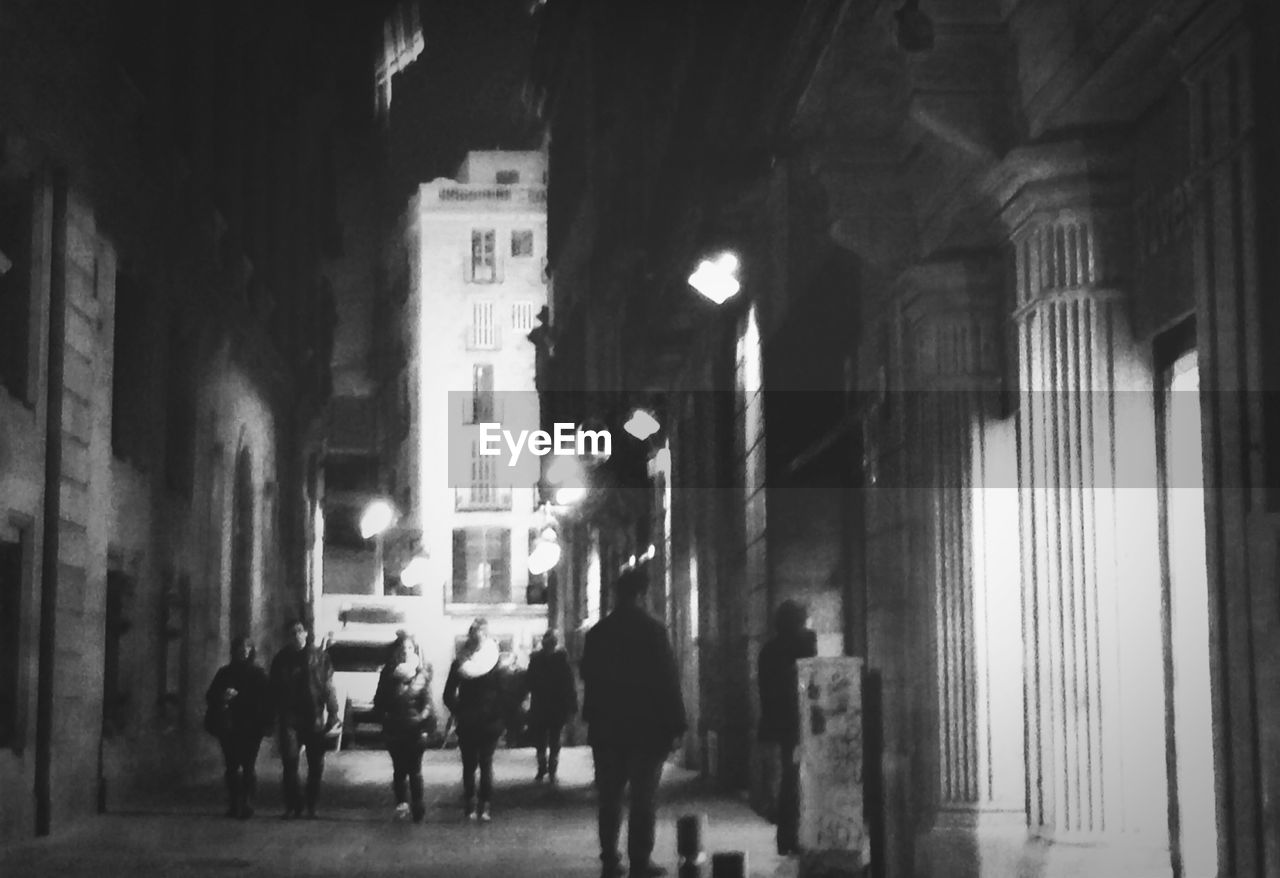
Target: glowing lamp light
(377,517)
(546,554)
(414,573)
(641,424)
(564,470)
(570,494)
(717,278)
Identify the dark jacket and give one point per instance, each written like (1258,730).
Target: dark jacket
(302,690)
(403,705)
(631,686)
(477,701)
(247,714)
(776,678)
(553,695)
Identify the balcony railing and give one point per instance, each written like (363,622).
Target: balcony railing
(482,497)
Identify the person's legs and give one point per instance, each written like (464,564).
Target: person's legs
(315,769)
(611,780)
(247,751)
(538,731)
(399,772)
(487,748)
(413,767)
(644,772)
(470,760)
(230,773)
(553,733)
(788,801)
(289,747)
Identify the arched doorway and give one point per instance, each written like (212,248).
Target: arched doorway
(242,538)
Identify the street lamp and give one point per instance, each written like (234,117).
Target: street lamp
(546,553)
(642,424)
(378,516)
(716,278)
(566,476)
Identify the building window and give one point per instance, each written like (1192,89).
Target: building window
(130,378)
(482,491)
(522,316)
(481,565)
(482,408)
(402,43)
(508,177)
(484,329)
(15,290)
(522,243)
(536,590)
(180,412)
(14,551)
(484,256)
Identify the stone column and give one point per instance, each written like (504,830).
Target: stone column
(970,519)
(1090,565)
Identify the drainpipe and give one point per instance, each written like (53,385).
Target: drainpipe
(52,503)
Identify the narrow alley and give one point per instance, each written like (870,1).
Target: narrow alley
(538,830)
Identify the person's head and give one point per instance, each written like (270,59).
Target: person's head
(242,649)
(405,649)
(630,586)
(791,617)
(296,632)
(550,640)
(478,632)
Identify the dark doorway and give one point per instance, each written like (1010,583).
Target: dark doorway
(242,539)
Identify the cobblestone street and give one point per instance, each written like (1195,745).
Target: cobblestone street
(537,830)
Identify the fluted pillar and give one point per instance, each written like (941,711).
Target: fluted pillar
(969,510)
(1088,532)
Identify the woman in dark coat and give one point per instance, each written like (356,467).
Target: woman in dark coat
(474,694)
(239,715)
(403,701)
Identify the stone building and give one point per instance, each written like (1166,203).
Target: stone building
(164,345)
(471,249)
(993,398)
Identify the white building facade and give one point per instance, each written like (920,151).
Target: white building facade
(475,248)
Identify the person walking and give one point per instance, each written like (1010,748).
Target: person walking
(238,714)
(474,694)
(306,707)
(553,698)
(635,718)
(403,702)
(779,710)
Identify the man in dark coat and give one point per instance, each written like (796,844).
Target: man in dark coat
(239,714)
(553,698)
(635,716)
(306,707)
(779,709)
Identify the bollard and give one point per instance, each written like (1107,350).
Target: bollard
(690,852)
(729,864)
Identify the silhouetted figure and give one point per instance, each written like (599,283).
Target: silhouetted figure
(779,709)
(635,715)
(403,702)
(553,698)
(306,707)
(474,694)
(239,715)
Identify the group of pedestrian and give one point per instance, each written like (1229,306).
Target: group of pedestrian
(296,700)
(632,704)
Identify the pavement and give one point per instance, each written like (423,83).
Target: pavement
(538,830)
